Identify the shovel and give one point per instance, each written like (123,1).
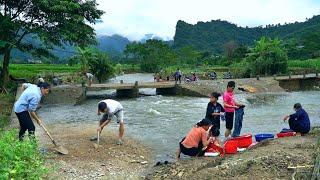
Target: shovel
(96,145)
(59,149)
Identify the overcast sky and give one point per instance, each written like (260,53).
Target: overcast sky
(134,18)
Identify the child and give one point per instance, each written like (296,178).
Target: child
(214,110)
(214,145)
(229,105)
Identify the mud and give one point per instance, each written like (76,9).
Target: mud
(109,161)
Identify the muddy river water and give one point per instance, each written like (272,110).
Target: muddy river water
(161,121)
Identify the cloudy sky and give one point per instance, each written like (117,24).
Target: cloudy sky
(134,18)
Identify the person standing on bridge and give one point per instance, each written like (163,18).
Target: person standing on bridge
(177,76)
(27,105)
(111,108)
(89,77)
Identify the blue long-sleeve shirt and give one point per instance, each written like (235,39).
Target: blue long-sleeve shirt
(29,99)
(303,119)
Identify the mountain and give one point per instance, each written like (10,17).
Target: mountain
(113,45)
(212,36)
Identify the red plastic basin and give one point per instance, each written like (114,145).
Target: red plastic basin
(287,134)
(230,147)
(243,141)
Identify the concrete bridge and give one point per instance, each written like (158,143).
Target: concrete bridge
(132,89)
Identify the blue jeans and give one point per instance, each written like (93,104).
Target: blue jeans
(238,122)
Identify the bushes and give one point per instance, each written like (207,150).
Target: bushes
(19,160)
(269,57)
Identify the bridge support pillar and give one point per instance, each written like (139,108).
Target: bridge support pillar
(176,90)
(130,93)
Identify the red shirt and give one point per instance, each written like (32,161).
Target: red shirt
(228,98)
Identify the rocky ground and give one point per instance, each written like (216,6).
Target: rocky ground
(284,158)
(84,161)
(204,87)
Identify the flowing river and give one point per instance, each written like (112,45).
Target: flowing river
(160,122)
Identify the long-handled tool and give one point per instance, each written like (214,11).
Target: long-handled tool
(96,145)
(58,148)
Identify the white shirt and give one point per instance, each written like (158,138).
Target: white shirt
(112,106)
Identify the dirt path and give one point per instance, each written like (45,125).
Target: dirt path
(269,160)
(110,161)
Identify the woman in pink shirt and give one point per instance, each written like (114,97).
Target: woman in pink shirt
(195,140)
(229,106)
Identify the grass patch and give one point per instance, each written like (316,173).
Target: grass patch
(6,105)
(304,64)
(32,70)
(20,160)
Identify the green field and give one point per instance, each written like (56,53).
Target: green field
(32,70)
(306,64)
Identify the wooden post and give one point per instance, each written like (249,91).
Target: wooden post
(316,73)
(304,74)
(289,75)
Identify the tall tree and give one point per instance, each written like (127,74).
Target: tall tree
(53,22)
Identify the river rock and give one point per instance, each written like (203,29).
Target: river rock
(180,174)
(144,162)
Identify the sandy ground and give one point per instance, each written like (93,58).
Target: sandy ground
(109,161)
(268,160)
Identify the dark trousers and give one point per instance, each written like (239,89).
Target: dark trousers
(238,122)
(26,123)
(194,151)
(296,126)
(177,78)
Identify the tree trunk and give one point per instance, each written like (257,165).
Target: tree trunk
(5,68)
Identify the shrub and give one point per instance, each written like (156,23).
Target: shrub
(19,160)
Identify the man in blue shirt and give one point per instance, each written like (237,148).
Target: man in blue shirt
(299,121)
(27,104)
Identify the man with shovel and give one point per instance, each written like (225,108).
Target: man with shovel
(110,108)
(27,104)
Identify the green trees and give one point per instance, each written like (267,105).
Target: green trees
(53,22)
(95,61)
(152,55)
(100,65)
(268,57)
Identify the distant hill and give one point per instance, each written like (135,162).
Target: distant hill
(113,45)
(211,36)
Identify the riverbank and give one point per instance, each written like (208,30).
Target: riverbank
(283,158)
(84,161)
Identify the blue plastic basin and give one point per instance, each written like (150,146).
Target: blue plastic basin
(261,137)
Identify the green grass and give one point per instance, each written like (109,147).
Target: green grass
(20,160)
(305,64)
(6,104)
(32,70)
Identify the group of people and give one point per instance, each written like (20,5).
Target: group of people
(206,132)
(29,102)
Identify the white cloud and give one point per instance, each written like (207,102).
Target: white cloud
(134,18)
